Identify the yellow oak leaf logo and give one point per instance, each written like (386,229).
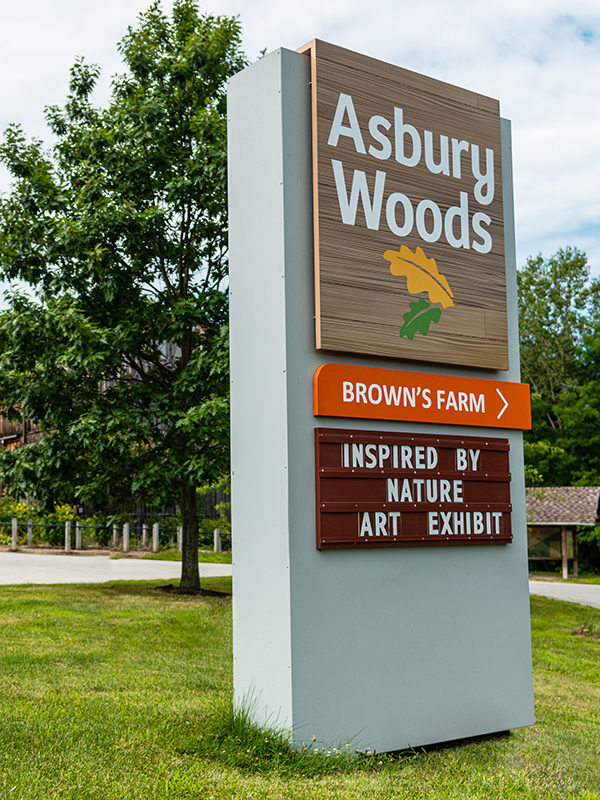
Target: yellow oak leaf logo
(422,274)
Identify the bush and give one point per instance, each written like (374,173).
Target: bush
(10,508)
(99,531)
(206,527)
(54,534)
(588,546)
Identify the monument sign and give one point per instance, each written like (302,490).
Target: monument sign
(378,504)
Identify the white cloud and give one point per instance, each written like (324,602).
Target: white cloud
(541,59)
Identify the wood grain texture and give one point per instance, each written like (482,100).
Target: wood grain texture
(359,303)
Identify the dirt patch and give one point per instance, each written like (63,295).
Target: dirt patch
(585,630)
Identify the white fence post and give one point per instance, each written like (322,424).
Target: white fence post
(125,537)
(145,535)
(115,536)
(29,532)
(179,538)
(218,546)
(78,535)
(67,536)
(14,545)
(155,542)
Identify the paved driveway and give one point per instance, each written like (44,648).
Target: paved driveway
(585,594)
(57,568)
(34,568)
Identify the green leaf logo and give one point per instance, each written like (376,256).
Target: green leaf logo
(419,318)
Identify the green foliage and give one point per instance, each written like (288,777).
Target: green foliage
(589,534)
(13,509)
(558,303)
(542,459)
(17,509)
(588,545)
(62,513)
(223,509)
(122,360)
(559,320)
(55,520)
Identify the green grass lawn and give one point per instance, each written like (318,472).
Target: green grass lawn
(557,576)
(116,691)
(585,579)
(204,556)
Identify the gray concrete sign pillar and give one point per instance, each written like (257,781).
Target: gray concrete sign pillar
(391,648)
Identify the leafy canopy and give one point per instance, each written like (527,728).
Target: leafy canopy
(559,321)
(121,230)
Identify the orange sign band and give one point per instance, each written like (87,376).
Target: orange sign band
(346,390)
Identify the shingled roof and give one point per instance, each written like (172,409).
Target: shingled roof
(563,505)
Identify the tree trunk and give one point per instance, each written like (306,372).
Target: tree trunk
(190,574)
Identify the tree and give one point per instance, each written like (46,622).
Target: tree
(559,320)
(122,358)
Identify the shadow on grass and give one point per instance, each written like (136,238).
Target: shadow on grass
(170,588)
(218,587)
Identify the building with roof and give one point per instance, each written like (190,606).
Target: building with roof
(553,515)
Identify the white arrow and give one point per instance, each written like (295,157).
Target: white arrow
(505,403)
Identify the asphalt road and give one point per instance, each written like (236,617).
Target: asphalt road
(585,594)
(47,568)
(20,568)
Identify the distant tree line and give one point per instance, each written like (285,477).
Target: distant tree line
(559,321)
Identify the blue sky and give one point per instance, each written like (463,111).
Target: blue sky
(540,58)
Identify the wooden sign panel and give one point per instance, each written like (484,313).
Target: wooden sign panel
(409,240)
(384,489)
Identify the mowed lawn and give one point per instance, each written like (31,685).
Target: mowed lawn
(116,691)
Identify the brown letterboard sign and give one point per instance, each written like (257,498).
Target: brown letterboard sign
(383,489)
(409,241)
